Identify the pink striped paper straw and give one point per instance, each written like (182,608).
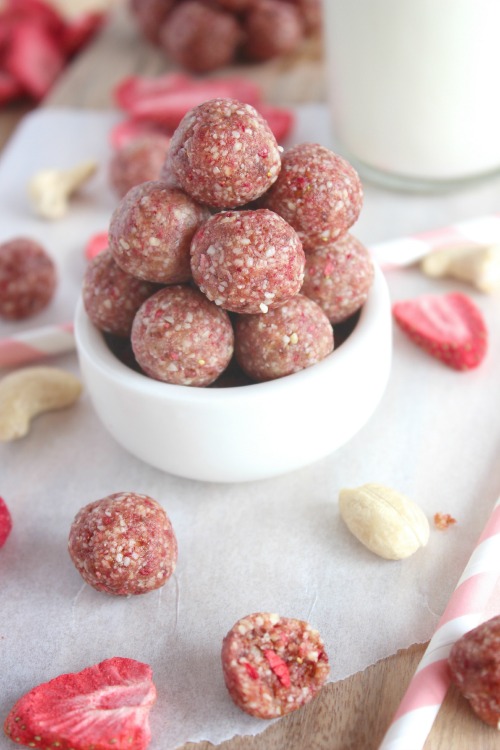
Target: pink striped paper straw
(36,344)
(415,716)
(404,251)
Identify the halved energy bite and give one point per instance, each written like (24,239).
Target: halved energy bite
(273,665)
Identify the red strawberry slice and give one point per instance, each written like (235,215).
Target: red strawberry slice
(449,326)
(9,88)
(33,58)
(36,11)
(129,130)
(80,30)
(280,119)
(96,244)
(136,87)
(5,522)
(105,707)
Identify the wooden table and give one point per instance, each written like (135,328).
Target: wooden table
(352,714)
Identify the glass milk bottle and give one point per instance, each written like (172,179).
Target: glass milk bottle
(414,87)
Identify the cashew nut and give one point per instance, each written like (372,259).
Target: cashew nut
(31,391)
(51,189)
(477,264)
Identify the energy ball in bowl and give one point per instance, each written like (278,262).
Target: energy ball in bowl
(111,297)
(200,38)
(247,261)
(318,192)
(28,278)
(273,665)
(179,337)
(137,161)
(224,153)
(288,339)
(338,276)
(123,544)
(151,230)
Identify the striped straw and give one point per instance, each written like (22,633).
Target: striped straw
(415,716)
(36,344)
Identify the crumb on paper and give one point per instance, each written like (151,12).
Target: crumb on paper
(443,521)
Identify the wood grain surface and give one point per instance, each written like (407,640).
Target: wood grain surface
(352,714)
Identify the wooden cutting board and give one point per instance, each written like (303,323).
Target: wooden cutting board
(352,714)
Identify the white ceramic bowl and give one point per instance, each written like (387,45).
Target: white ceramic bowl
(245,432)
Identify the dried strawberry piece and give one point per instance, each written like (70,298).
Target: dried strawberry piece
(5,522)
(10,88)
(279,667)
(33,58)
(38,12)
(443,521)
(132,89)
(474,663)
(281,120)
(449,327)
(96,244)
(80,30)
(105,705)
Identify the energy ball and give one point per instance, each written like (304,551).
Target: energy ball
(224,153)
(151,230)
(318,192)
(137,161)
(123,544)
(179,337)
(200,38)
(286,340)
(273,665)
(247,261)
(338,276)
(111,297)
(28,278)
(149,16)
(272,28)
(474,664)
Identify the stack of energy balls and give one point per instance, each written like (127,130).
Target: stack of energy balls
(237,249)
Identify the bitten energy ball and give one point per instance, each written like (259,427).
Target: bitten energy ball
(200,38)
(273,665)
(318,192)
(224,153)
(112,297)
(474,663)
(28,278)
(247,261)
(151,230)
(286,340)
(178,336)
(338,276)
(137,161)
(123,544)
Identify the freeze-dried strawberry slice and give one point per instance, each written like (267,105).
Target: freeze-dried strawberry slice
(9,88)
(449,326)
(5,522)
(136,87)
(96,244)
(105,706)
(280,119)
(80,30)
(35,11)
(33,58)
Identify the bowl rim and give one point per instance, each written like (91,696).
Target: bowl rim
(90,343)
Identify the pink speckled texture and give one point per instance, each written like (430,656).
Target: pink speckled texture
(224,153)
(28,278)
(180,337)
(318,192)
(112,297)
(285,340)
(247,261)
(273,665)
(139,160)
(123,544)
(151,230)
(272,28)
(338,276)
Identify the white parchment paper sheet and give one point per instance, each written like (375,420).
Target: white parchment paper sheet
(276,545)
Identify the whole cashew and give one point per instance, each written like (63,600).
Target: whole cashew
(28,392)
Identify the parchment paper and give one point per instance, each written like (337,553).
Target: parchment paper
(275,545)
